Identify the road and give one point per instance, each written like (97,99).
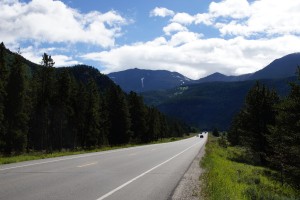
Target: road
(145,172)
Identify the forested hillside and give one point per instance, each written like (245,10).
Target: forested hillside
(209,105)
(142,80)
(43,108)
(268,126)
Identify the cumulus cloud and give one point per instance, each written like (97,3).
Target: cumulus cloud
(63,60)
(244,18)
(183,37)
(204,18)
(265,17)
(230,8)
(35,55)
(49,21)
(174,27)
(198,57)
(252,34)
(183,18)
(161,12)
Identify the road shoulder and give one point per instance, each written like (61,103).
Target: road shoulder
(189,186)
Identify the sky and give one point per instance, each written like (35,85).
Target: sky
(193,37)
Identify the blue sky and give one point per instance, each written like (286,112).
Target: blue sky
(193,37)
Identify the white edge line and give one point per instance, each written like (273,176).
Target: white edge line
(146,172)
(70,158)
(94,163)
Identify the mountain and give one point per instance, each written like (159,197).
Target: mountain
(279,68)
(216,77)
(81,73)
(141,80)
(210,104)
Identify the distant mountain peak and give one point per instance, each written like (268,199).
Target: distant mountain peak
(141,80)
(283,67)
(219,77)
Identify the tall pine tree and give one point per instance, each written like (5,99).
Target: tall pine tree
(252,122)
(119,117)
(16,109)
(62,112)
(3,83)
(137,111)
(44,103)
(92,119)
(285,136)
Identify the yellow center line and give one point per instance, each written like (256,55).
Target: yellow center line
(87,164)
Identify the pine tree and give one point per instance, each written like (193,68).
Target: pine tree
(138,116)
(258,113)
(284,138)
(104,120)
(92,127)
(44,104)
(3,82)
(62,112)
(164,128)
(235,130)
(119,116)
(16,112)
(79,101)
(154,126)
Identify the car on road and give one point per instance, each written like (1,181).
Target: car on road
(201,136)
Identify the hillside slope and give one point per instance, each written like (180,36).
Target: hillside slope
(279,68)
(140,80)
(208,105)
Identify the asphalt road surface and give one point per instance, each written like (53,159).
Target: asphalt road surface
(145,172)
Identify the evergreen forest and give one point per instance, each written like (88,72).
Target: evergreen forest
(268,127)
(43,108)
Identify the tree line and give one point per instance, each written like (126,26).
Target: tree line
(269,126)
(50,109)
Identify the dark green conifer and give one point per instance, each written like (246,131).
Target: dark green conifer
(119,117)
(16,112)
(137,111)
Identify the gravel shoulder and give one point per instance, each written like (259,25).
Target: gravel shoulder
(189,186)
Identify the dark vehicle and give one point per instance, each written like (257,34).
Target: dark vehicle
(201,136)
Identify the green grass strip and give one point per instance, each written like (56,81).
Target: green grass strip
(227,177)
(43,155)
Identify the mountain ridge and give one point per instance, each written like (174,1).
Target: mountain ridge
(142,80)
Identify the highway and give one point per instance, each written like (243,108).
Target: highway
(144,172)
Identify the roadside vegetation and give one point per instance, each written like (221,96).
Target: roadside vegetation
(231,174)
(259,158)
(47,110)
(44,155)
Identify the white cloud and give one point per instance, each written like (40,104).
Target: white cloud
(242,18)
(183,18)
(174,27)
(198,57)
(63,61)
(183,37)
(230,8)
(204,18)
(161,12)
(49,21)
(35,55)
(264,17)
(257,32)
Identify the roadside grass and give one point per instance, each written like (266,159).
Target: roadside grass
(44,155)
(227,177)
(173,139)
